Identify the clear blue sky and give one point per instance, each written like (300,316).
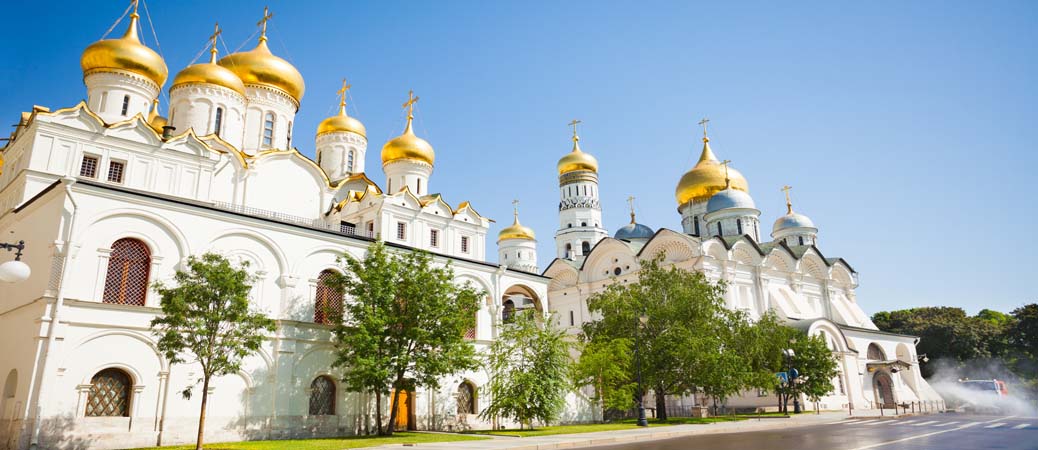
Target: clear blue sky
(908,129)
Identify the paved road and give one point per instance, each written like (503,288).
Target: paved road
(933,432)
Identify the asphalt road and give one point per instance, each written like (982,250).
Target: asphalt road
(933,432)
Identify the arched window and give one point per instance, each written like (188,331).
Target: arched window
(466,398)
(349,161)
(508,312)
(585,248)
(322,396)
(126,104)
(328,301)
(875,353)
(109,394)
(569,250)
(268,130)
(218,123)
(695,224)
(720,232)
(801,240)
(738,224)
(129,267)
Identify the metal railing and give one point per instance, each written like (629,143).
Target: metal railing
(321,224)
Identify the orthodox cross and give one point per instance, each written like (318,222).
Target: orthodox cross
(212,41)
(703,123)
(789,203)
(630,202)
(342,94)
(515,209)
(573,124)
(267,15)
(133,3)
(409,104)
(727,181)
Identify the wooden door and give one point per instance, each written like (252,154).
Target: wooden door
(404,406)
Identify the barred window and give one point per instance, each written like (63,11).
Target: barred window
(218,122)
(126,104)
(128,269)
(401,230)
(328,301)
(88,168)
(322,396)
(349,161)
(466,398)
(434,238)
(116,169)
(109,394)
(268,130)
(464,244)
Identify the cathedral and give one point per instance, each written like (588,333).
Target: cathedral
(109,197)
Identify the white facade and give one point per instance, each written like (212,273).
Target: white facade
(580,215)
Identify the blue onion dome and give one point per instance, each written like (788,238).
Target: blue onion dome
(792,220)
(634,231)
(730,198)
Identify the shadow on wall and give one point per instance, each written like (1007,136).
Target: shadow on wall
(64,433)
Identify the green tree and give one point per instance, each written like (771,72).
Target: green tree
(404,325)
(529,372)
(684,314)
(817,366)
(946,333)
(605,365)
(206,318)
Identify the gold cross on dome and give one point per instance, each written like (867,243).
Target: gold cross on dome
(342,93)
(703,123)
(573,123)
(267,15)
(409,104)
(727,181)
(515,208)
(212,41)
(133,3)
(789,202)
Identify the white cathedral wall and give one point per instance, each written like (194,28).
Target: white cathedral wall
(194,107)
(263,101)
(286,184)
(333,153)
(106,92)
(100,335)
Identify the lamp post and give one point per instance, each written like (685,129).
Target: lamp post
(642,421)
(14,271)
(792,375)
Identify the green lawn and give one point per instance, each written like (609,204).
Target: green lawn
(593,427)
(330,443)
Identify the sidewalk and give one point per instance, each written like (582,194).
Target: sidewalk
(620,436)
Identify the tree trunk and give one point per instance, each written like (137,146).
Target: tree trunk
(392,412)
(378,411)
(201,414)
(661,404)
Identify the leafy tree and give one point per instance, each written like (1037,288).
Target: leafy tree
(1024,330)
(685,314)
(404,326)
(817,366)
(724,369)
(206,318)
(945,333)
(605,365)
(529,369)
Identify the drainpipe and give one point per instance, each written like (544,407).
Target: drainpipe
(55,317)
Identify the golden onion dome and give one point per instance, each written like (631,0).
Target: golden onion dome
(209,73)
(516,231)
(155,120)
(125,54)
(577,160)
(260,67)
(342,123)
(707,178)
(407,146)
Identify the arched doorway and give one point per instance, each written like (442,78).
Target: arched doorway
(883,387)
(404,405)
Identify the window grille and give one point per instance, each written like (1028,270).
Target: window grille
(434,238)
(116,169)
(88,168)
(328,301)
(268,130)
(126,104)
(464,244)
(218,123)
(349,161)
(322,396)
(128,269)
(109,394)
(401,230)
(466,398)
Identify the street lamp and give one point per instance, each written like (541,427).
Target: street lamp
(642,421)
(792,375)
(14,271)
